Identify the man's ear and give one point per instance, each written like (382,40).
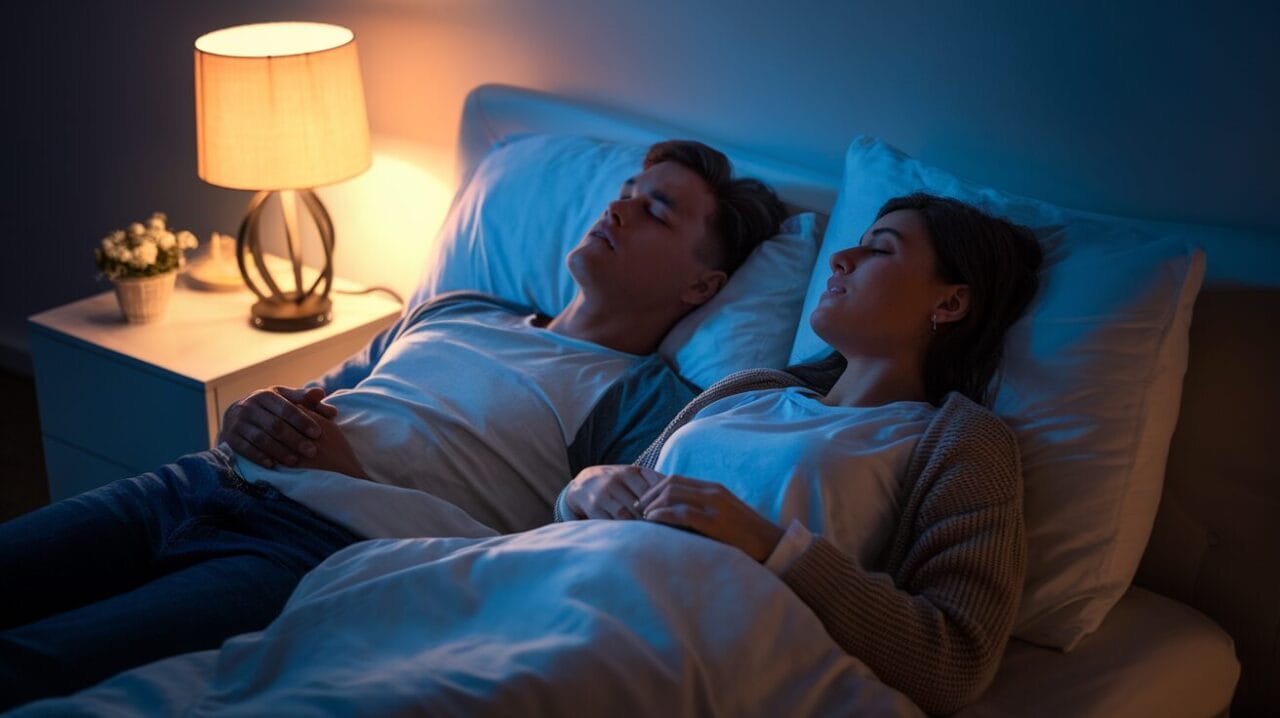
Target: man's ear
(704,287)
(952,306)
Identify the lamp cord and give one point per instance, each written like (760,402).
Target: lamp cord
(388,290)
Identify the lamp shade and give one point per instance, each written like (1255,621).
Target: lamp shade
(279,106)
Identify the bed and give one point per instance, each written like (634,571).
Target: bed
(1091,640)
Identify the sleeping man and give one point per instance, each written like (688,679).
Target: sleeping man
(466,417)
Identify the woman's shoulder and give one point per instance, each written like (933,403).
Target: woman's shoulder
(748,380)
(963,420)
(969,451)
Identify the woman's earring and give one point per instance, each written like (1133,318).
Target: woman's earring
(933,322)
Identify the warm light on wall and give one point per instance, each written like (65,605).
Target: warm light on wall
(392,213)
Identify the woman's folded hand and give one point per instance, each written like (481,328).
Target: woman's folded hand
(711,510)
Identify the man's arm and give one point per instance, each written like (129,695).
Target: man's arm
(279,425)
(630,415)
(359,365)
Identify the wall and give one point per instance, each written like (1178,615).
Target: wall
(1136,108)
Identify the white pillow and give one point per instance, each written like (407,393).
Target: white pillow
(1091,382)
(532,198)
(751,321)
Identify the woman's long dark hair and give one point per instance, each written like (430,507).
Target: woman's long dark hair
(998,260)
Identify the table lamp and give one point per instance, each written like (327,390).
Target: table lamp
(280,109)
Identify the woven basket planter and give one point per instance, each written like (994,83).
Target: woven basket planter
(144,299)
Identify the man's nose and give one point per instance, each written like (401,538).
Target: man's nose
(617,212)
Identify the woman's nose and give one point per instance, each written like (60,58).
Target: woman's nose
(844,261)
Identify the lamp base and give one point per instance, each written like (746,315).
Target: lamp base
(273,315)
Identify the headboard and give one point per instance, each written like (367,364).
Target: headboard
(1216,544)
(493,112)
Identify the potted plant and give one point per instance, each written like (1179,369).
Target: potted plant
(143,262)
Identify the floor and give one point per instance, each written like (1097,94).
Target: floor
(22,478)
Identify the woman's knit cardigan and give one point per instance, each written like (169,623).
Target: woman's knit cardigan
(933,617)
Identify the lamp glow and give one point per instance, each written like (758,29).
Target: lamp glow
(280,108)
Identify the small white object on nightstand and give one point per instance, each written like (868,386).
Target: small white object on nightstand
(217,270)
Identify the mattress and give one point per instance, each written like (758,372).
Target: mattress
(1153,656)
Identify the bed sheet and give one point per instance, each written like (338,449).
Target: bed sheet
(587,618)
(1152,656)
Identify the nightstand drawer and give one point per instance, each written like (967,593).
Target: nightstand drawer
(114,407)
(73,470)
(137,396)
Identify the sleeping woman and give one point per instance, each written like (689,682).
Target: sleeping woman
(873,483)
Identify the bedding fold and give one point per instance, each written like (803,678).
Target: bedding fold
(589,618)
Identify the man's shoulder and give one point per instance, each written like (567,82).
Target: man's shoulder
(468,300)
(655,371)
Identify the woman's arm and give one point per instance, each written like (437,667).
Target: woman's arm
(936,626)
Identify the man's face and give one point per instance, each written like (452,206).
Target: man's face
(643,253)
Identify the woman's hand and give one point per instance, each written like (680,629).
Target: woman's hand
(609,492)
(711,510)
(271,427)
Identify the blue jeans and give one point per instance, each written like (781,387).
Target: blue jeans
(168,562)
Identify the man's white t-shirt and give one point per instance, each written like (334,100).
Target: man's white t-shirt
(836,470)
(475,406)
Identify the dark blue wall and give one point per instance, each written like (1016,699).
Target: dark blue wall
(1166,111)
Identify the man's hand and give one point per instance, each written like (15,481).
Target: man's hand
(333,452)
(609,492)
(271,427)
(711,510)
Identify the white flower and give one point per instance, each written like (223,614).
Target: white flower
(143,248)
(146,253)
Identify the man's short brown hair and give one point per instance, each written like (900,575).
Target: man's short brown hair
(747,211)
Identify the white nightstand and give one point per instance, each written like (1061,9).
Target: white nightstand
(119,399)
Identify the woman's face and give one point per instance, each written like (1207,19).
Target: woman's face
(883,291)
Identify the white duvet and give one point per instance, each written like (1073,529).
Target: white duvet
(588,618)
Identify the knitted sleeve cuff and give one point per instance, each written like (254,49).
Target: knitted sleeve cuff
(794,542)
(825,579)
(562,510)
